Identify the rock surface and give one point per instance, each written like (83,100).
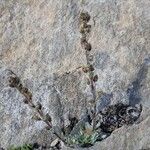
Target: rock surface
(40,42)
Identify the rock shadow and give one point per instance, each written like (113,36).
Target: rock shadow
(133,90)
(104,101)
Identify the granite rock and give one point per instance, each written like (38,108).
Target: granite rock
(40,42)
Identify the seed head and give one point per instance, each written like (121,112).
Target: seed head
(38,105)
(85,28)
(85,69)
(48,118)
(24,90)
(48,127)
(13,81)
(25,101)
(95,79)
(84,17)
(87,46)
(91,68)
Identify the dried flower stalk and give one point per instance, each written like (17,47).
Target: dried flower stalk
(85,29)
(15,82)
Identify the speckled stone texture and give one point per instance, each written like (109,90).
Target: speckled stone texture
(40,42)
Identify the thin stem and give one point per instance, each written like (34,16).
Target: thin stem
(93,89)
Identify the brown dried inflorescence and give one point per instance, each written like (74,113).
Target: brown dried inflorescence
(84,17)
